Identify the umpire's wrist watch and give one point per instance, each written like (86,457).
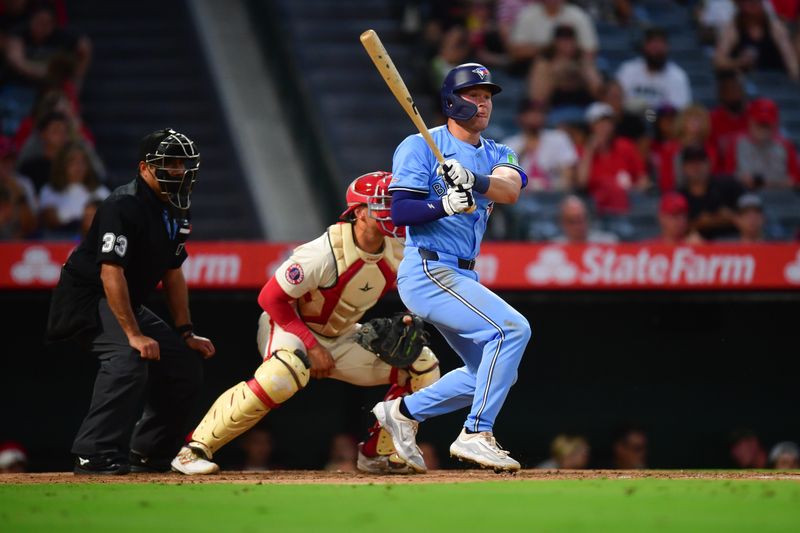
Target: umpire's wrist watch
(185,331)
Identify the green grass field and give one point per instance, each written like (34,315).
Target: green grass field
(543,505)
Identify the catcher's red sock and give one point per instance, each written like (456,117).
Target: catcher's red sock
(370,446)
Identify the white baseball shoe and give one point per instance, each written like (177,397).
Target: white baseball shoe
(403,431)
(192,460)
(482,449)
(382,464)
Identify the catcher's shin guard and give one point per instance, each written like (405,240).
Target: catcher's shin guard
(424,371)
(421,373)
(243,405)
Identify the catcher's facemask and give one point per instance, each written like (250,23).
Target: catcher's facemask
(372,190)
(176,161)
(379,207)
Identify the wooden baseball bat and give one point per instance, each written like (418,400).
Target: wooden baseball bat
(374,47)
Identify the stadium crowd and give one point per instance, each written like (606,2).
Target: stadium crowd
(608,148)
(612,154)
(51,178)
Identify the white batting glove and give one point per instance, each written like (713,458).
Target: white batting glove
(455,174)
(456,201)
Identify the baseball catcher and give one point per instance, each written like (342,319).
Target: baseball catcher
(309,328)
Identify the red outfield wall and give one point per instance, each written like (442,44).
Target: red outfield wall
(505,266)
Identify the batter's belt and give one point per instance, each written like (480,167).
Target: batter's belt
(430,255)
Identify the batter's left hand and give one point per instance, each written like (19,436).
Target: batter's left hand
(455,174)
(202,345)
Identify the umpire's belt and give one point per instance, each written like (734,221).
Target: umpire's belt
(466,264)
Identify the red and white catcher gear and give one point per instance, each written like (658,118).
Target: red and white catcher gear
(238,409)
(372,190)
(424,371)
(361,280)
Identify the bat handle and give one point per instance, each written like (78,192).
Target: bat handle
(470,198)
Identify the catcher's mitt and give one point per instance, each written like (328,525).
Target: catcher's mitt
(392,340)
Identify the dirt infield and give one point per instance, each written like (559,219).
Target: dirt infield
(295,477)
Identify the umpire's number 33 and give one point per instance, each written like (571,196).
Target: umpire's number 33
(113,242)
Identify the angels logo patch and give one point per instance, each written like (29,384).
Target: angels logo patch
(294,274)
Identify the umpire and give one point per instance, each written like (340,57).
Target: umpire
(136,240)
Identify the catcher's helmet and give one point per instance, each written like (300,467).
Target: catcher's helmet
(176,160)
(372,190)
(462,77)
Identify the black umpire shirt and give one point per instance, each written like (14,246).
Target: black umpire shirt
(132,228)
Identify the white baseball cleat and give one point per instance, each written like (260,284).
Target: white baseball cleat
(482,449)
(382,464)
(403,431)
(192,460)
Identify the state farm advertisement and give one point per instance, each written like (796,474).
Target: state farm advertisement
(636,266)
(505,266)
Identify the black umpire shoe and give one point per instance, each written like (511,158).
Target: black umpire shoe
(100,466)
(148,465)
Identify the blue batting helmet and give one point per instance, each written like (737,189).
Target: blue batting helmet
(462,77)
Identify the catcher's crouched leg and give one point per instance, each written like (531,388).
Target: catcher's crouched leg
(422,372)
(239,408)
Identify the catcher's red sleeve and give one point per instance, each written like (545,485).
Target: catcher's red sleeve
(278,306)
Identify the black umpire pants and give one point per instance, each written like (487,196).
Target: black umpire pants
(125,382)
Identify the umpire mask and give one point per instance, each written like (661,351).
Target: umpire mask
(176,161)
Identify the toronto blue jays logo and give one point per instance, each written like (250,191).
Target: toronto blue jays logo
(295,274)
(483,72)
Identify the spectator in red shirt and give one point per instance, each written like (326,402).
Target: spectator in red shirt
(663,127)
(692,127)
(673,218)
(609,166)
(729,118)
(762,157)
(52,100)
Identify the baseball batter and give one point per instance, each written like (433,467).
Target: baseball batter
(309,326)
(437,281)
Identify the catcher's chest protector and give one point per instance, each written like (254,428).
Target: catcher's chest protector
(361,279)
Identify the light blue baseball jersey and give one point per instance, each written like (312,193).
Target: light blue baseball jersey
(414,169)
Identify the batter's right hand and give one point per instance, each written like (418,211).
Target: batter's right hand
(321,362)
(147,347)
(455,174)
(456,201)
